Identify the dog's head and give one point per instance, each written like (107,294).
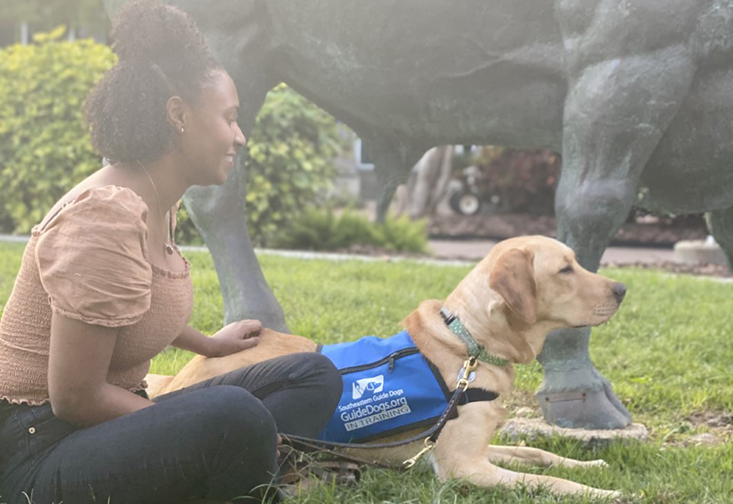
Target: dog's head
(536,280)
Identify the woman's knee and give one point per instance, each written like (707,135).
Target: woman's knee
(236,406)
(240,442)
(233,413)
(325,375)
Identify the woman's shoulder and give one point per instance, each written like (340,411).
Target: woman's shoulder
(110,193)
(92,257)
(100,205)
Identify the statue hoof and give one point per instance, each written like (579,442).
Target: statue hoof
(584,409)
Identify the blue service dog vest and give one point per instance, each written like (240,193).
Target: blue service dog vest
(389,387)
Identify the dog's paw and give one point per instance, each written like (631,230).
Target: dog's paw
(595,463)
(609,496)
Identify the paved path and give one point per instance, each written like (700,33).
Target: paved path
(457,252)
(473,250)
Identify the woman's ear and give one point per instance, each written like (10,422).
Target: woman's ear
(178,113)
(513,278)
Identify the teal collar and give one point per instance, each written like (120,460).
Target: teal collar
(474,348)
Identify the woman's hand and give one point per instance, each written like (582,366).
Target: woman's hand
(235,337)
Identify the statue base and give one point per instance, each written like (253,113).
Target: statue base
(699,252)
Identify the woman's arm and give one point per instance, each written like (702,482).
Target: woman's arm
(235,337)
(191,339)
(79,359)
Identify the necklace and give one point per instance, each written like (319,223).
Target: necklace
(168,246)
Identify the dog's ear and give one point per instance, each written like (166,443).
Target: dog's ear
(513,278)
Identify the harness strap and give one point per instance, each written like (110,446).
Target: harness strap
(478,395)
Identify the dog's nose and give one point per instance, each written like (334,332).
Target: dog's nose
(619,291)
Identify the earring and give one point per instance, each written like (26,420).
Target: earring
(181,130)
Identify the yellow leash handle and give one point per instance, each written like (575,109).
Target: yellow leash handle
(429,445)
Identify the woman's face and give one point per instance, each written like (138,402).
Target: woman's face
(212,136)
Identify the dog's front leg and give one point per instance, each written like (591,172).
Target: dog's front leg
(535,456)
(463,452)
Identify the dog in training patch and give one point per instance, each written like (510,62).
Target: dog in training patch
(500,314)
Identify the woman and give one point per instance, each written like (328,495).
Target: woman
(102,289)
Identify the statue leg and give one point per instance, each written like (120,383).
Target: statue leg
(393,161)
(720,224)
(615,114)
(219,215)
(573,393)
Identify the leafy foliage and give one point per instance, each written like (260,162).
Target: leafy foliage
(321,229)
(44,147)
(290,161)
(402,234)
(186,232)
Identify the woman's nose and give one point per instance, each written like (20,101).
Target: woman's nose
(239,137)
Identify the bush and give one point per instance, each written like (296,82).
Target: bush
(44,146)
(186,232)
(321,229)
(290,162)
(401,234)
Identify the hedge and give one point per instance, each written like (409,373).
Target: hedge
(45,148)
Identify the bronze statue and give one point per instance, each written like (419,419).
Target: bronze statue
(635,94)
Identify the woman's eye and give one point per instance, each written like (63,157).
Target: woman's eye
(567,269)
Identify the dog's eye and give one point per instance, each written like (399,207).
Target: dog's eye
(566,269)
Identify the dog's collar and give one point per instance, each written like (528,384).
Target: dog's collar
(474,348)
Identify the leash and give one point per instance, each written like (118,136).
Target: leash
(429,437)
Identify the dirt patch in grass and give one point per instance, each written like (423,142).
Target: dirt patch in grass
(705,428)
(520,399)
(720,422)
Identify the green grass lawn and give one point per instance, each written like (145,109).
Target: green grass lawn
(668,352)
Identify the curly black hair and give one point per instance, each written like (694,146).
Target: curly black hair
(161,54)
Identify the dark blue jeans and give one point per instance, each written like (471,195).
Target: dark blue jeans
(214,440)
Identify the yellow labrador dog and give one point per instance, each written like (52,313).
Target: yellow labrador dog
(524,289)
